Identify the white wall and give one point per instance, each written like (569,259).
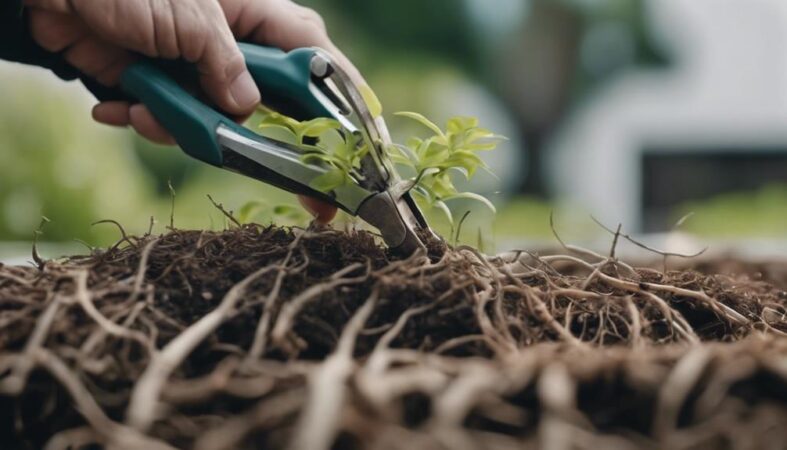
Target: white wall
(727,87)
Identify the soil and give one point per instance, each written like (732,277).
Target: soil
(266,337)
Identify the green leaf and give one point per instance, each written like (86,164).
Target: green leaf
(433,154)
(250,210)
(480,147)
(316,127)
(375,107)
(414,142)
(425,192)
(329,140)
(421,197)
(279,133)
(284,209)
(422,120)
(398,158)
(347,148)
(274,119)
(460,123)
(291,212)
(431,160)
(467,161)
(475,133)
(442,186)
(405,154)
(319,157)
(442,207)
(425,178)
(473,196)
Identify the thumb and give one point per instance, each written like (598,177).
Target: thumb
(222,71)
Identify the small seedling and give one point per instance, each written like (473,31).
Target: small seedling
(323,140)
(430,160)
(279,214)
(434,158)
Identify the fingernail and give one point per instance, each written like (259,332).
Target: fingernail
(244,91)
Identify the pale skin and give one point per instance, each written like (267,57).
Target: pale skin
(101,37)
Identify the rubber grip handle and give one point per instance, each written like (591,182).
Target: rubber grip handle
(191,122)
(284,80)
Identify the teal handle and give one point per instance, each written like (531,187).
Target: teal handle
(192,123)
(283,78)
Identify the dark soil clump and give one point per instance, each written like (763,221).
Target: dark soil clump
(265,337)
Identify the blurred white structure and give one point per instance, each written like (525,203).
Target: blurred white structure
(726,89)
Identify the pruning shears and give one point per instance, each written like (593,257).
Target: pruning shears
(304,83)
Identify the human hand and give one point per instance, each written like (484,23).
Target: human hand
(100,37)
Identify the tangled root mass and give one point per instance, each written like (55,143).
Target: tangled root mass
(264,337)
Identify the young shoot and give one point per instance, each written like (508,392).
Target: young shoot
(254,210)
(434,158)
(431,160)
(323,140)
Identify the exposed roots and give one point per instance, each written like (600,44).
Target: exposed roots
(286,338)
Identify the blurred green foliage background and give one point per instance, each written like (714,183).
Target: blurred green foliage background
(516,64)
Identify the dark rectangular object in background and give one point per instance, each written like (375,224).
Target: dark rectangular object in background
(672,176)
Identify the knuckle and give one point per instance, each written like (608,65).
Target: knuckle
(165,43)
(196,26)
(193,43)
(234,66)
(189,32)
(163,35)
(312,17)
(191,38)
(193,49)
(92,57)
(45,34)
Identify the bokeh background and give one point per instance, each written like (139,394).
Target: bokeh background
(631,111)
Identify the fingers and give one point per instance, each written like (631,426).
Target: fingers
(94,36)
(59,32)
(323,213)
(144,123)
(286,25)
(230,86)
(206,40)
(121,114)
(112,113)
(55,31)
(99,60)
(195,30)
(278,23)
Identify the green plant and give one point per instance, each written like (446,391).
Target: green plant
(430,160)
(433,159)
(324,140)
(279,214)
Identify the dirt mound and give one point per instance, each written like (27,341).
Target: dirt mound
(263,337)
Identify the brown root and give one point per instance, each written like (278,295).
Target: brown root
(263,337)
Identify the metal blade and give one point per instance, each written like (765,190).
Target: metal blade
(393,211)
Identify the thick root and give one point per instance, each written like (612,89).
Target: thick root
(275,338)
